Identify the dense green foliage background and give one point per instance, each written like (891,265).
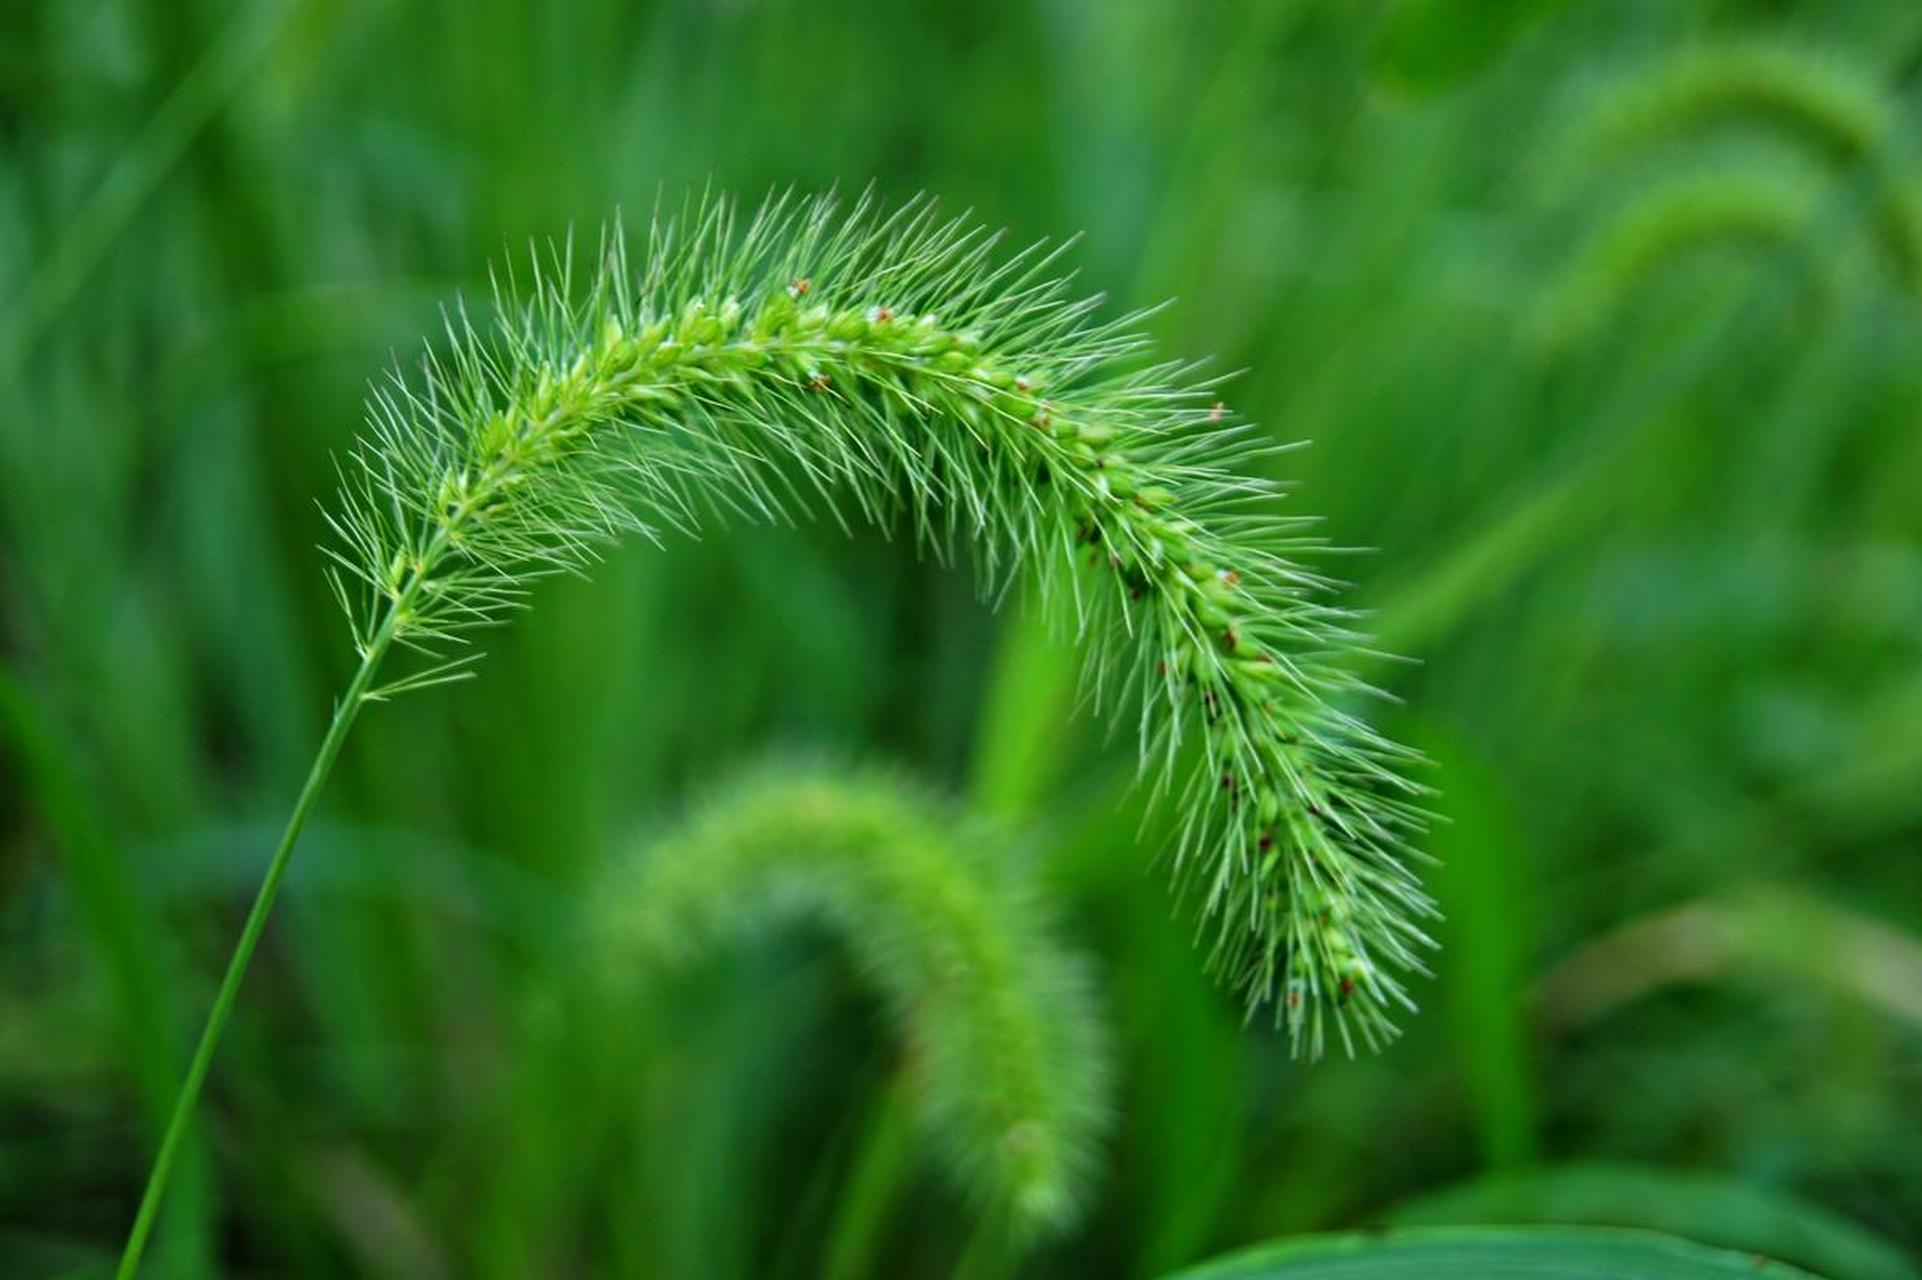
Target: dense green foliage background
(1643,482)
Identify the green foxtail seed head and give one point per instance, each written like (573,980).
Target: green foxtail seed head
(1821,134)
(1004,1048)
(1708,207)
(899,365)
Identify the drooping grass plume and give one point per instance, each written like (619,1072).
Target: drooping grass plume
(898,365)
(894,365)
(1003,1045)
(1830,120)
(1720,207)
(1832,105)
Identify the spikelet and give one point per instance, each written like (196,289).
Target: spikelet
(899,367)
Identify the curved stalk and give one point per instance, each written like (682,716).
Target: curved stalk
(345,712)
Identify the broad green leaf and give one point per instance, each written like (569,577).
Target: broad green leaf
(1715,1209)
(1491,1253)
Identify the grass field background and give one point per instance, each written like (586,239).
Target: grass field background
(1603,317)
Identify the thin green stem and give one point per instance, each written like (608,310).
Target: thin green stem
(183,1108)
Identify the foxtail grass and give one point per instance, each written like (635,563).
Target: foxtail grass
(899,366)
(1002,1044)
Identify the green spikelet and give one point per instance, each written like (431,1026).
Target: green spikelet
(899,366)
(1002,1041)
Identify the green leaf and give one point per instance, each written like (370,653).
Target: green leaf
(1716,1209)
(1491,1253)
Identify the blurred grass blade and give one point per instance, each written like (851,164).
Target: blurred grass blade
(1491,1253)
(1718,1209)
(884,1157)
(1432,45)
(91,231)
(1027,735)
(124,940)
(1488,909)
(1766,929)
